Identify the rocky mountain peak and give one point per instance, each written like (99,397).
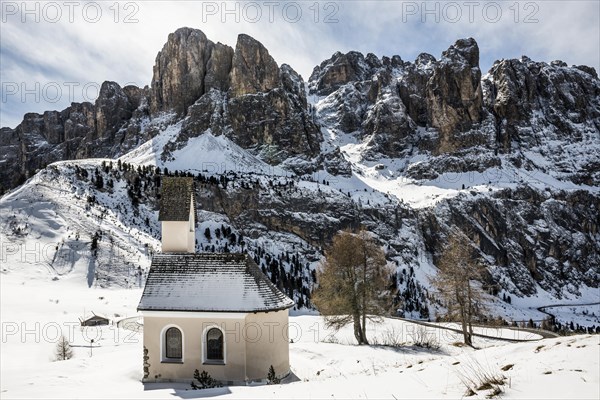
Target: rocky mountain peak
(588,70)
(114,106)
(454,96)
(565,100)
(463,49)
(425,59)
(253,69)
(339,70)
(240,93)
(179,71)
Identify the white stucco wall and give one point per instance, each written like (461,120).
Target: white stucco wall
(177,237)
(253,342)
(272,348)
(193,329)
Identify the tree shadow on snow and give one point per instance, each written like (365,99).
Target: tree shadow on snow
(411,349)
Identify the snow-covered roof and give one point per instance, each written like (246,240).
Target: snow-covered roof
(93,315)
(209,282)
(176,198)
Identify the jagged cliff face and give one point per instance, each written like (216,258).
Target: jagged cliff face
(241,93)
(532,238)
(453,94)
(106,128)
(511,158)
(389,99)
(531,115)
(550,110)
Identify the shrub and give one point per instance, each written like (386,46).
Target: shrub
(422,337)
(392,338)
(205,381)
(272,379)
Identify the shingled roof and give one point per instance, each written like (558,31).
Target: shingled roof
(209,282)
(175,198)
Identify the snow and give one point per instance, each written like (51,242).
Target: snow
(40,297)
(218,155)
(208,282)
(149,153)
(325,364)
(48,278)
(205,153)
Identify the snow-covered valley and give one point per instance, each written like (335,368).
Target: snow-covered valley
(36,309)
(411,152)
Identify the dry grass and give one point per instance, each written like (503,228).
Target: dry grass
(477,377)
(426,338)
(389,338)
(537,349)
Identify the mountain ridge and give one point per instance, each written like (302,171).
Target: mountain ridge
(408,150)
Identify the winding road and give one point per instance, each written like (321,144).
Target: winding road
(542,309)
(543,333)
(134,324)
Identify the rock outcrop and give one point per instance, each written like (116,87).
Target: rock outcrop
(260,106)
(179,71)
(218,68)
(114,107)
(106,128)
(365,99)
(253,69)
(532,237)
(454,98)
(564,97)
(337,71)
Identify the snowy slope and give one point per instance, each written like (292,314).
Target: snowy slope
(325,364)
(61,209)
(49,223)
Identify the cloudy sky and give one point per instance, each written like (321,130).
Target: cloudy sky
(53,53)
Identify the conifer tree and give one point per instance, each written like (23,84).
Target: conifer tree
(63,349)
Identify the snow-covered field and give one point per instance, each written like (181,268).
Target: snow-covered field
(49,279)
(35,308)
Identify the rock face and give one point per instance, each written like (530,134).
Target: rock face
(218,68)
(339,70)
(114,107)
(107,128)
(539,107)
(389,98)
(365,99)
(412,87)
(179,71)
(533,237)
(446,109)
(257,104)
(253,69)
(454,98)
(522,93)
